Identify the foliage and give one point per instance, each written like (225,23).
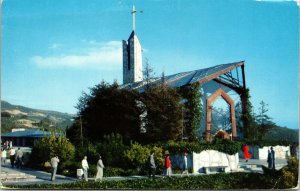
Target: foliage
(220,181)
(48,147)
(70,168)
(263,121)
(221,145)
(148,75)
(138,155)
(164,121)
(108,109)
(247,117)
(112,148)
(8,123)
(192,110)
(282,133)
(255,127)
(287,177)
(290,173)
(113,171)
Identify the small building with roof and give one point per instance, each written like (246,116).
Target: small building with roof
(25,138)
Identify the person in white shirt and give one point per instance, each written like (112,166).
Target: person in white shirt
(3,157)
(85,167)
(54,163)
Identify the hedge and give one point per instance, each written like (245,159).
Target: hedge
(222,145)
(237,180)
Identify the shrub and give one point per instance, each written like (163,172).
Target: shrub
(290,173)
(45,148)
(222,145)
(71,168)
(113,171)
(138,155)
(112,148)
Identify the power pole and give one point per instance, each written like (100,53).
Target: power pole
(81,136)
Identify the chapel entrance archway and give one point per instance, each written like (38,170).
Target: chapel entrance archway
(209,102)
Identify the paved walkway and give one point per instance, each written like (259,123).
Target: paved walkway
(44,177)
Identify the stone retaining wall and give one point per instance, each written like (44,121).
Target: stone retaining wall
(209,158)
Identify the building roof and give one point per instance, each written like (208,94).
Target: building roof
(184,78)
(34,133)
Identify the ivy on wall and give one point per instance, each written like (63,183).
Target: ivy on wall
(192,110)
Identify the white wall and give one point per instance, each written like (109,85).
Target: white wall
(281,152)
(210,158)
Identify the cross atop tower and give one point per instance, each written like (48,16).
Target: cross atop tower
(133,17)
(132,56)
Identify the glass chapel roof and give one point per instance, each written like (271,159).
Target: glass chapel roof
(184,78)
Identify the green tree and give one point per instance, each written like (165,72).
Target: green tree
(148,75)
(107,109)
(263,121)
(48,147)
(138,156)
(164,121)
(112,149)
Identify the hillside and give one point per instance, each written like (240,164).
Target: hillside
(283,133)
(16,116)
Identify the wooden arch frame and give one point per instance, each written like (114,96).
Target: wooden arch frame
(209,102)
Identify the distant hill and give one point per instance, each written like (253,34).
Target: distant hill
(16,116)
(283,133)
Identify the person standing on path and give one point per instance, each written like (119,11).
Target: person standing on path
(246,152)
(85,167)
(273,158)
(269,159)
(152,166)
(3,157)
(100,168)
(185,165)
(168,171)
(19,156)
(54,163)
(12,153)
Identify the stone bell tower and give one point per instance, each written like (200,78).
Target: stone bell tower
(132,56)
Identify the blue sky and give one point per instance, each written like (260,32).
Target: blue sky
(52,50)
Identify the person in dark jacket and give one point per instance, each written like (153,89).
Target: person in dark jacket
(273,158)
(269,159)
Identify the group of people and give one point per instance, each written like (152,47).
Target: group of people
(16,157)
(270,159)
(168,165)
(85,167)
